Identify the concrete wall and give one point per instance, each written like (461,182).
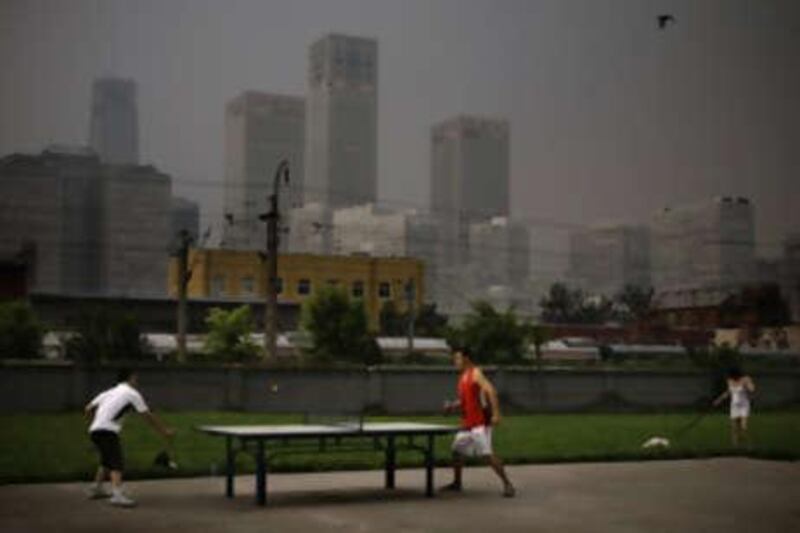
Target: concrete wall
(47,388)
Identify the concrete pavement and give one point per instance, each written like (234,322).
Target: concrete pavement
(724,495)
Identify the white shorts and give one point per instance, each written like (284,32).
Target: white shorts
(740,410)
(475,442)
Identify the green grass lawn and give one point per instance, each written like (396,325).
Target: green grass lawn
(53,447)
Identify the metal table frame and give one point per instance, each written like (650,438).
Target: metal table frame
(387,437)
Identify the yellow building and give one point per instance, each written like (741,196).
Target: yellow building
(218,273)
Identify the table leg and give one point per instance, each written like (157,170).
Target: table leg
(429,460)
(391,462)
(261,474)
(230,467)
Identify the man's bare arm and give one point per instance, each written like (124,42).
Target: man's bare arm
(488,389)
(158,425)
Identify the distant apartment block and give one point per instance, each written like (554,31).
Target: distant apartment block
(307,230)
(706,245)
(604,259)
(499,250)
(261,130)
(469,178)
(379,232)
(91,228)
(114,123)
(342,121)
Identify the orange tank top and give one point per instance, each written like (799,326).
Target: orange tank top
(469,394)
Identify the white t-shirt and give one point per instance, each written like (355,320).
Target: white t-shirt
(112,404)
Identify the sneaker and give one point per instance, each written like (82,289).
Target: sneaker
(120,500)
(452,487)
(97,493)
(509,491)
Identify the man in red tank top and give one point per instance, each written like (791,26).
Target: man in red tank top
(480,410)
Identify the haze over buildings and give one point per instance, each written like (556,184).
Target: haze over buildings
(612,119)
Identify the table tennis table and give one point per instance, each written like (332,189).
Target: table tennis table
(267,440)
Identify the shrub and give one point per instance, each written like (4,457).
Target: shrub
(20,332)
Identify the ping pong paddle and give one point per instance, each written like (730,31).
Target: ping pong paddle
(165,461)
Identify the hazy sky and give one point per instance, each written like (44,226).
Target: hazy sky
(611,119)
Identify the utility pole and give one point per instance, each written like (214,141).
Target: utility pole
(184,276)
(410,297)
(272,217)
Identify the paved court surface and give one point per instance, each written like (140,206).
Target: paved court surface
(722,495)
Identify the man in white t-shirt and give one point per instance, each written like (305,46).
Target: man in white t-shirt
(107,410)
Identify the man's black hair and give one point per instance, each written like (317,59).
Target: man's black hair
(735,372)
(124,374)
(467,352)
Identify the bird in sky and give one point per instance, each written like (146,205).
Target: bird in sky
(665,20)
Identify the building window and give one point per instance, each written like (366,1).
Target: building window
(279,285)
(248,285)
(304,287)
(385,290)
(358,289)
(217,285)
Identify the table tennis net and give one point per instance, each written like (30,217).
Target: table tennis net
(343,420)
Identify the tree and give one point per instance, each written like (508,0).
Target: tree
(538,335)
(634,303)
(492,336)
(104,335)
(228,336)
(595,310)
(563,305)
(20,331)
(392,322)
(339,328)
(429,323)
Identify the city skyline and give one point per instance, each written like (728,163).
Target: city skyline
(705,109)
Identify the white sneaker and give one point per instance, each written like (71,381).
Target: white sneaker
(120,500)
(97,493)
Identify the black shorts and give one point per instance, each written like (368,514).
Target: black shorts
(107,444)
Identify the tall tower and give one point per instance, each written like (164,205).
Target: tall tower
(261,130)
(342,121)
(469,178)
(114,128)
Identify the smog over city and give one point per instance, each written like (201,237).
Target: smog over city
(584,117)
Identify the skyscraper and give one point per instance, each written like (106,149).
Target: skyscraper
(114,125)
(342,121)
(469,178)
(261,130)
